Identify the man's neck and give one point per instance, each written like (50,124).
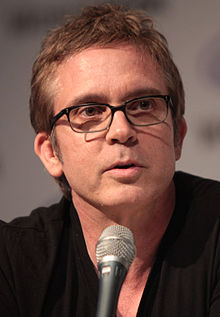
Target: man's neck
(148,224)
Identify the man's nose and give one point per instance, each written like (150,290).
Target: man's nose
(120,130)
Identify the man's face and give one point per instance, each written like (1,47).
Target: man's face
(125,165)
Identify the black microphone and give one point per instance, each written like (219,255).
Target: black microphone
(115,251)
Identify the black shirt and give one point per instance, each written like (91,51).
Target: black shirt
(45,269)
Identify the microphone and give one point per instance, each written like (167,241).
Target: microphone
(115,251)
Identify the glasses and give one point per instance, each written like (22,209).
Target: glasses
(96,117)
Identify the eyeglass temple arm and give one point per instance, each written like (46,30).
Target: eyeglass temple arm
(58,116)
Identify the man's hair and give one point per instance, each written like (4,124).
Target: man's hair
(98,26)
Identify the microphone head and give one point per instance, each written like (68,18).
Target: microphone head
(116,243)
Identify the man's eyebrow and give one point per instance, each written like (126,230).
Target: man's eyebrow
(102,98)
(85,98)
(142,92)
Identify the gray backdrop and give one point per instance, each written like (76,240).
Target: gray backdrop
(193,32)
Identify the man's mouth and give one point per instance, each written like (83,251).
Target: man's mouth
(126,171)
(124,166)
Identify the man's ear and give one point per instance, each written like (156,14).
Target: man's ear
(181,132)
(44,150)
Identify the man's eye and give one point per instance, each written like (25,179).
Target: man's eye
(145,104)
(92,111)
(141,105)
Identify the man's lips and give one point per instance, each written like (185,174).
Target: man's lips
(123,165)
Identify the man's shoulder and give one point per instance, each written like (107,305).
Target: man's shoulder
(40,217)
(45,222)
(29,249)
(202,195)
(197,185)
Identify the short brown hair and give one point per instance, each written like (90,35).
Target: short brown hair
(99,26)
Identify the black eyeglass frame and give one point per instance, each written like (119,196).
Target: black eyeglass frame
(66,111)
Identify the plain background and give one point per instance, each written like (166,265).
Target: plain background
(193,32)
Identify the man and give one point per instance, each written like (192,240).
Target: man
(107,105)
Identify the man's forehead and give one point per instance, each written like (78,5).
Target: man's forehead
(122,67)
(140,50)
(97,58)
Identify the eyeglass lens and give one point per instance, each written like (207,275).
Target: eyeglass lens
(139,112)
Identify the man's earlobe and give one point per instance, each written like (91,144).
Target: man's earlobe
(44,150)
(181,132)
